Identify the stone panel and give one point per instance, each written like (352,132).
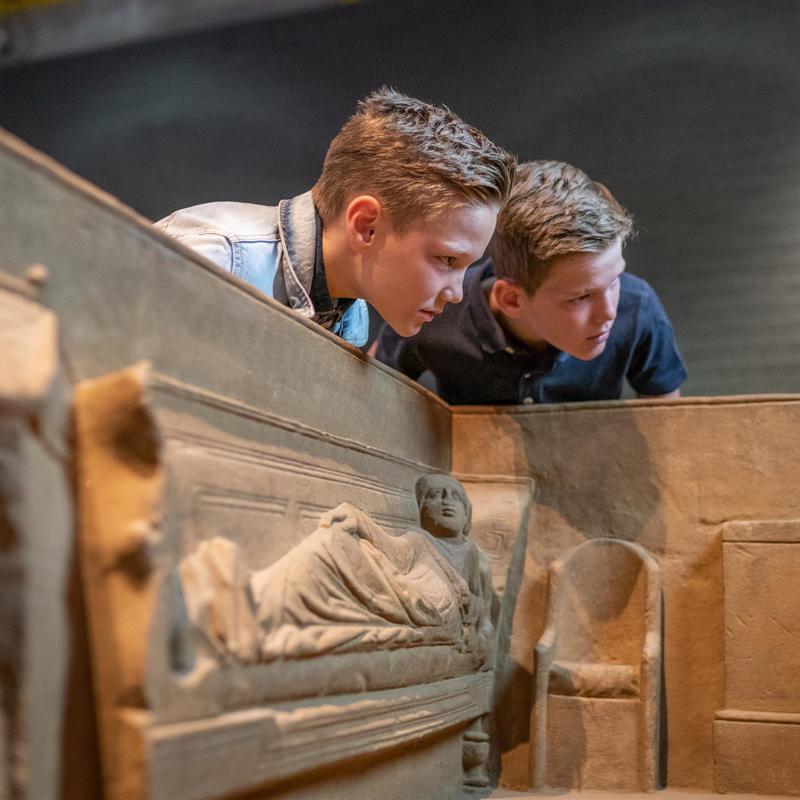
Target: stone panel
(762,626)
(581,754)
(162,476)
(758,755)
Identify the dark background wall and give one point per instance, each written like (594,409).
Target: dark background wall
(689,110)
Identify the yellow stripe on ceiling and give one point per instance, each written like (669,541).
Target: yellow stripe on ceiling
(8,7)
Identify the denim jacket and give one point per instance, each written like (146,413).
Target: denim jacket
(270,247)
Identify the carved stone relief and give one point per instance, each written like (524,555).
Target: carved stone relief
(501,506)
(757,734)
(348,587)
(208,651)
(597,671)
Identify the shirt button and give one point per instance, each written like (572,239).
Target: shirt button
(526,375)
(527,400)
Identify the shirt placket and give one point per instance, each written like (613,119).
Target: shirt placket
(530,383)
(528,387)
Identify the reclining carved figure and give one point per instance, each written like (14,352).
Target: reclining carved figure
(349,586)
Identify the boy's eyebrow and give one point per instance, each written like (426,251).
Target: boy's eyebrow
(454,249)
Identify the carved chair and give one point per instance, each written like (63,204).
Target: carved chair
(597,671)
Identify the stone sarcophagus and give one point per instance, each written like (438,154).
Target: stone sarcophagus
(241,635)
(597,671)
(265,613)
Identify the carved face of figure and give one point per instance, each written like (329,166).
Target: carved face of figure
(442,509)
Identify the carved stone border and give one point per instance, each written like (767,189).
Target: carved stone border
(208,758)
(188,392)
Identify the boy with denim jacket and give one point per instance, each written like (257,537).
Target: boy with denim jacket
(407,200)
(552,316)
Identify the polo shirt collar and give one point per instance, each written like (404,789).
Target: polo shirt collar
(492,337)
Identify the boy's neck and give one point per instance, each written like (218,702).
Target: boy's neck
(510,325)
(340,272)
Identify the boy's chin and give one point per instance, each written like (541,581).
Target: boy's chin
(406,328)
(592,353)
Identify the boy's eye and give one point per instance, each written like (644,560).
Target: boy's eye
(448,261)
(581,299)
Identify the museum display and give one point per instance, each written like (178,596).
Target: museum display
(242,559)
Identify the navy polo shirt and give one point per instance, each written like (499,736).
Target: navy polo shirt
(475,362)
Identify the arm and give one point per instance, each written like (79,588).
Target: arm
(667,396)
(656,368)
(360,525)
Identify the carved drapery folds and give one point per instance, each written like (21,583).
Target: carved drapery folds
(347,587)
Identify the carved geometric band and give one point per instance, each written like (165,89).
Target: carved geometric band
(204,758)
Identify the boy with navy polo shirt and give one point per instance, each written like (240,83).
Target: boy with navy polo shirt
(407,200)
(551,316)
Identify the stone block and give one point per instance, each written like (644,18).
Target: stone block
(762,625)
(757,753)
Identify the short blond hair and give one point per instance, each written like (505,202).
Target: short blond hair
(417,159)
(553,209)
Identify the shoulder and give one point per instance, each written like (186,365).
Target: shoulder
(635,287)
(638,299)
(229,219)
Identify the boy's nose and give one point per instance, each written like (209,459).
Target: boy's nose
(453,292)
(606,309)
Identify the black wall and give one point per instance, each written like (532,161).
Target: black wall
(689,110)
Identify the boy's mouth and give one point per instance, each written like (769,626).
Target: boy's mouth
(428,313)
(600,337)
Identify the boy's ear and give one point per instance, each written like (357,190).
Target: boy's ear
(507,297)
(362,216)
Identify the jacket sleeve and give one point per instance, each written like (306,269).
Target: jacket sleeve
(213,246)
(399,353)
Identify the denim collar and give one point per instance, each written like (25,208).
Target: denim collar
(297,231)
(328,311)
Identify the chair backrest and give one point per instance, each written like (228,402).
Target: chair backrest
(602,602)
